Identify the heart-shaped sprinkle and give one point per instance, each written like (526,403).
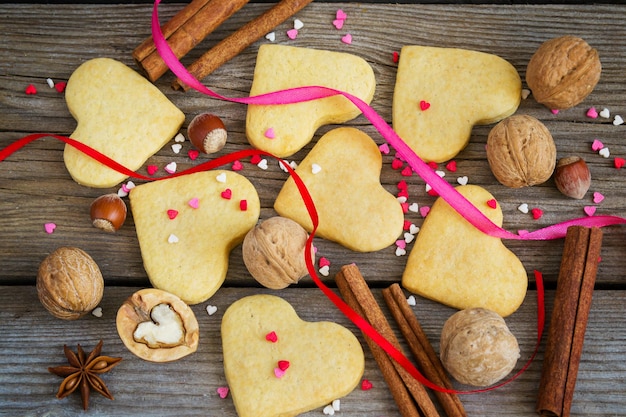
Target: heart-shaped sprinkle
(402,185)
(462,180)
(424,105)
(604,152)
(523,208)
(401,243)
(384,148)
(414,229)
(405,207)
(194,203)
(432,165)
(347,39)
(171,167)
(396,164)
(598,197)
(325,270)
(271,36)
(618,120)
(292,33)
(404,194)
(176,148)
(49,227)
(30,89)
(328,410)
(525,93)
(395,57)
(179,138)
(172,238)
(121,193)
(193,154)
(237,166)
(270,133)
(279,373)
(336,405)
(589,210)
(592,113)
(171,213)
(338,23)
(211,309)
(424,210)
(400,252)
(407,225)
(227,194)
(315,168)
(297,24)
(619,162)
(407,171)
(414,207)
(341,15)
(271,337)
(537,213)
(554,111)
(262,164)
(605,113)
(97,312)
(596,145)
(492,203)
(411,301)
(221,178)
(60,87)
(255,159)
(243,205)
(408,237)
(283,365)
(451,166)
(222,392)
(323,262)
(152,169)
(366,385)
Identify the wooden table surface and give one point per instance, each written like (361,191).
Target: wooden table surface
(43,41)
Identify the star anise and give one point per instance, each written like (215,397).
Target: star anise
(83,371)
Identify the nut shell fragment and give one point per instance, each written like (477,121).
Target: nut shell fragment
(138,309)
(477,347)
(69,283)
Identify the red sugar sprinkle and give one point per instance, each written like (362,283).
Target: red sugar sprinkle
(193,154)
(271,337)
(243,205)
(283,365)
(405,207)
(406,172)
(255,159)
(227,194)
(403,193)
(537,213)
(396,57)
(366,385)
(171,213)
(492,203)
(323,262)
(432,193)
(451,166)
(237,166)
(407,225)
(432,165)
(424,105)
(402,185)
(60,86)
(30,89)
(619,162)
(396,164)
(152,169)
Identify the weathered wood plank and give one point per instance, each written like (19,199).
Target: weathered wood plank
(32,340)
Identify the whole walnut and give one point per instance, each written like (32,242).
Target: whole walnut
(563,72)
(273,252)
(69,283)
(521,151)
(477,347)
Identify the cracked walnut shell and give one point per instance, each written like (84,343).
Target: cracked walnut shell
(477,347)
(563,72)
(521,151)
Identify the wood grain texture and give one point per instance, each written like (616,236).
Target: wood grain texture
(50,41)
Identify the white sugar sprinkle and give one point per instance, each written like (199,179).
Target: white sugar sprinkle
(97,312)
(336,405)
(411,300)
(179,138)
(316,169)
(172,238)
(50,82)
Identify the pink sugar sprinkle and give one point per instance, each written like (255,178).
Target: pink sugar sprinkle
(243,205)
(30,89)
(152,169)
(598,197)
(323,262)
(279,373)
(222,392)
(424,210)
(271,337)
(596,145)
(49,227)
(592,113)
(292,34)
(237,166)
(194,203)
(554,111)
(338,23)
(589,210)
(171,213)
(347,39)
(401,243)
(384,148)
(341,15)
(270,133)
(227,194)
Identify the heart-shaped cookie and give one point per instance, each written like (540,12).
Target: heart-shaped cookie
(120,114)
(276,364)
(342,174)
(456,264)
(292,126)
(187,227)
(441,93)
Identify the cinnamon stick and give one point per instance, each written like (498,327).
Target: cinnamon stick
(184,31)
(572,302)
(231,46)
(422,350)
(357,294)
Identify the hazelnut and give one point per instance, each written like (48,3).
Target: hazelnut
(477,347)
(69,283)
(563,72)
(572,176)
(273,252)
(157,326)
(207,133)
(108,212)
(521,151)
